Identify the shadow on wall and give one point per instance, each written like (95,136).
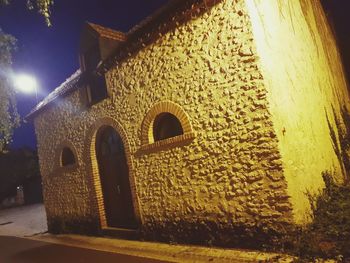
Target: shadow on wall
(212,233)
(328,235)
(341,133)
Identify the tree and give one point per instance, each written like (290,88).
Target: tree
(9,118)
(17,167)
(43,7)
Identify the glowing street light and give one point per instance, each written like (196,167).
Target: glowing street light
(26,84)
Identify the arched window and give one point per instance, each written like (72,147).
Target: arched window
(165,126)
(67,157)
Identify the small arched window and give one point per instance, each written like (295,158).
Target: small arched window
(165,126)
(67,157)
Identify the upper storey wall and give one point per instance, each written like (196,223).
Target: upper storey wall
(306,87)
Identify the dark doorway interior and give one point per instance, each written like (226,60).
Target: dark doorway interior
(114,175)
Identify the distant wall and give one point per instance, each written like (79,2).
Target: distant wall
(305,82)
(32,190)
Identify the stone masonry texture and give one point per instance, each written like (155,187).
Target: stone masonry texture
(222,182)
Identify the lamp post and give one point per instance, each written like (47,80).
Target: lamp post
(26,84)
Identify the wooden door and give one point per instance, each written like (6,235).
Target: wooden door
(114,175)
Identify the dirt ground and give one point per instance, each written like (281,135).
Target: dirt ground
(24,221)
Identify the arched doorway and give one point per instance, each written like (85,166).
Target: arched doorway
(114,177)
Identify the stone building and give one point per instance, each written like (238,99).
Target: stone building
(207,121)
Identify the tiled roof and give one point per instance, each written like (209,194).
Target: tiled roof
(108,32)
(72,82)
(156,15)
(68,85)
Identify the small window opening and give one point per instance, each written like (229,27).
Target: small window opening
(165,126)
(92,57)
(67,157)
(97,89)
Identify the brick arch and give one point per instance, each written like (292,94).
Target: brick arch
(58,155)
(162,107)
(92,167)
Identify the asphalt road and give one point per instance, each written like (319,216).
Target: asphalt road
(21,250)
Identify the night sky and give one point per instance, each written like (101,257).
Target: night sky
(51,53)
(338,13)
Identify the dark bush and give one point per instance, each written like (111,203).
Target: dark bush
(328,235)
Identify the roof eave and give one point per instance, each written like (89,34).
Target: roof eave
(156,25)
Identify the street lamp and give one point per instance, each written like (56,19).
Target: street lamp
(26,84)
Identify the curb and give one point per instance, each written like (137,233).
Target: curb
(164,252)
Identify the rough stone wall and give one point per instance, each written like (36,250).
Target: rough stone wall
(229,176)
(66,190)
(306,90)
